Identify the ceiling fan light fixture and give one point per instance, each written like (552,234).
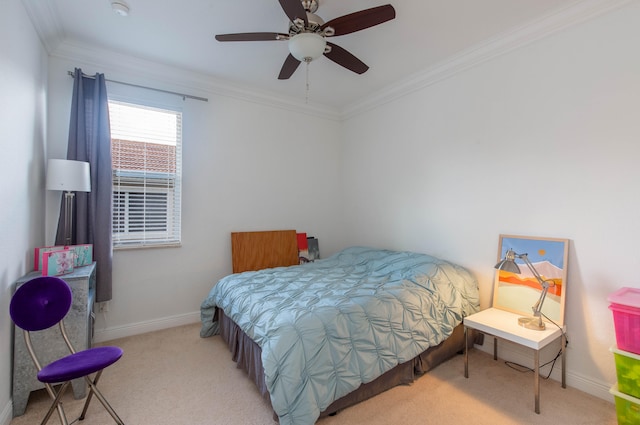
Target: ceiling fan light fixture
(307,46)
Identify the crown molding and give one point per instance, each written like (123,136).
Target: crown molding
(46,21)
(579,12)
(166,77)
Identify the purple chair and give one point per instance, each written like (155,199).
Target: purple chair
(40,304)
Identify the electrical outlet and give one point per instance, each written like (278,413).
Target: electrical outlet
(103,307)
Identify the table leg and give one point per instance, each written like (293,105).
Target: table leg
(495,348)
(536,379)
(466,354)
(564,360)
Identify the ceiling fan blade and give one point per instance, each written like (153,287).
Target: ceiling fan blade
(294,9)
(361,20)
(346,59)
(289,67)
(252,36)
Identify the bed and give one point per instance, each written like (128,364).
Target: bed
(319,337)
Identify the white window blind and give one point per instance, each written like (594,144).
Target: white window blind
(146,149)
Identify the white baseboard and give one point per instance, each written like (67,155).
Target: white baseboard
(520,355)
(108,334)
(510,352)
(7,413)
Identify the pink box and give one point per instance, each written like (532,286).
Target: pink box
(38,254)
(625,305)
(55,263)
(83,254)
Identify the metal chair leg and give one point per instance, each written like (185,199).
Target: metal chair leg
(93,389)
(56,405)
(86,403)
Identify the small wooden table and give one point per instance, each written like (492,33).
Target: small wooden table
(504,325)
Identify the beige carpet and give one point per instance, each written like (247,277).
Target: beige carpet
(175,377)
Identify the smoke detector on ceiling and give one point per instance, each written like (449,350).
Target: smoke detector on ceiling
(120,7)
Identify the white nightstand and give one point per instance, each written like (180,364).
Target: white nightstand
(504,324)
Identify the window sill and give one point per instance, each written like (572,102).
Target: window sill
(140,246)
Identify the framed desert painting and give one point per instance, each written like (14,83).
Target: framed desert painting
(519,292)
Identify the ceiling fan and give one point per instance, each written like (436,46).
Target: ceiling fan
(308,32)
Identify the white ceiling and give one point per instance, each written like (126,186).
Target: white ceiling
(424,34)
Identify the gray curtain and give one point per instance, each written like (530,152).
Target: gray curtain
(90,141)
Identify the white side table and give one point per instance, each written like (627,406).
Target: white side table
(504,325)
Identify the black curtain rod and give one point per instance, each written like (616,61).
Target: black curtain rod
(184,96)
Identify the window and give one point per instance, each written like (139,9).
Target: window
(146,159)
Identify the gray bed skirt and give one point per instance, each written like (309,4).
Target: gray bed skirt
(247,355)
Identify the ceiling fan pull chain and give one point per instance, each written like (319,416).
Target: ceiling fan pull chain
(306,99)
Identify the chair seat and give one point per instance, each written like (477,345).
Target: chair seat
(79,364)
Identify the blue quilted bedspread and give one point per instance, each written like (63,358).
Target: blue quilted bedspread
(327,327)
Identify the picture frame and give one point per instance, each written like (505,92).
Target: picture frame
(519,292)
(314,249)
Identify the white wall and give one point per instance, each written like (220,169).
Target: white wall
(418,173)
(542,141)
(246,166)
(23,63)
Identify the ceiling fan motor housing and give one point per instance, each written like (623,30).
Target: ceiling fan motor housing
(310,5)
(298,26)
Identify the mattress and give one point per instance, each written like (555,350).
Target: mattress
(327,328)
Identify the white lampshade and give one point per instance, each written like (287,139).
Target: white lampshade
(68,175)
(307,46)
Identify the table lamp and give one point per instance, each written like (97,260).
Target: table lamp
(508,264)
(69,176)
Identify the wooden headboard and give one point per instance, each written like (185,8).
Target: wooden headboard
(262,250)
